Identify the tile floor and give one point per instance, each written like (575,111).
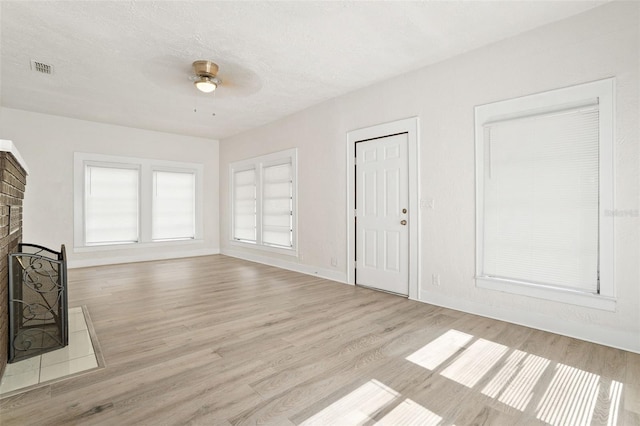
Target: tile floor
(78,356)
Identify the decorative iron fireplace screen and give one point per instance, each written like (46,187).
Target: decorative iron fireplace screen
(38,320)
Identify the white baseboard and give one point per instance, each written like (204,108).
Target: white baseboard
(328,274)
(625,340)
(142,257)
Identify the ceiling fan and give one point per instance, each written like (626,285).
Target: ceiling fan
(205,78)
(172,72)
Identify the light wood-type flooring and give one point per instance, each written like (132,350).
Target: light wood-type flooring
(216,340)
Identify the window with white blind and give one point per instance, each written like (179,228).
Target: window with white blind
(264,202)
(173,213)
(125,202)
(277,204)
(244,205)
(544,180)
(111,205)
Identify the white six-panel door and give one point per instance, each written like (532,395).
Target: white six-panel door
(382,228)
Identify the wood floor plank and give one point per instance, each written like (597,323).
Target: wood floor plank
(215,340)
(490,417)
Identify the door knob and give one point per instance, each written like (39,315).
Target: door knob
(403,222)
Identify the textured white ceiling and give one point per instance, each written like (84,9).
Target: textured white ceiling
(129,63)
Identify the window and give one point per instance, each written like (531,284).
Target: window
(264,201)
(174,205)
(111,205)
(244,205)
(121,201)
(277,204)
(544,179)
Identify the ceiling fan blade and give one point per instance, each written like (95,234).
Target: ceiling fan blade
(168,72)
(237,80)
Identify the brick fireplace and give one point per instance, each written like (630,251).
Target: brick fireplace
(13,174)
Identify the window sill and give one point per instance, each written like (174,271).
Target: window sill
(278,250)
(548,293)
(136,246)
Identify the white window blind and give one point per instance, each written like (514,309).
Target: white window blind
(111,205)
(277,205)
(173,213)
(541,199)
(244,205)
(263,201)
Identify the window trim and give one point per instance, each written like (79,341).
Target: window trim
(258,163)
(550,101)
(146,168)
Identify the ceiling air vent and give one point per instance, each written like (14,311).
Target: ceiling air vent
(38,66)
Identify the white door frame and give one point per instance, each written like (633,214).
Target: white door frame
(410,127)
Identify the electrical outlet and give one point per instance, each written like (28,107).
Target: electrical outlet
(435,279)
(334,261)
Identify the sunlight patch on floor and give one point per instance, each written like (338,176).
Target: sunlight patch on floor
(515,382)
(356,407)
(475,362)
(409,412)
(570,398)
(615,395)
(433,354)
(554,393)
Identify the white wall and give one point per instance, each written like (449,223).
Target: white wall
(47,144)
(601,43)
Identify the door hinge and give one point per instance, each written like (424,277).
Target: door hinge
(355,212)
(355,264)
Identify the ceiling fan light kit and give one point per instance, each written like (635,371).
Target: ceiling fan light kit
(205,84)
(205,76)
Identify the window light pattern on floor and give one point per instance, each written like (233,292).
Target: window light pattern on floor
(552,392)
(409,412)
(431,355)
(361,406)
(475,362)
(570,398)
(358,407)
(514,383)
(549,391)
(562,394)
